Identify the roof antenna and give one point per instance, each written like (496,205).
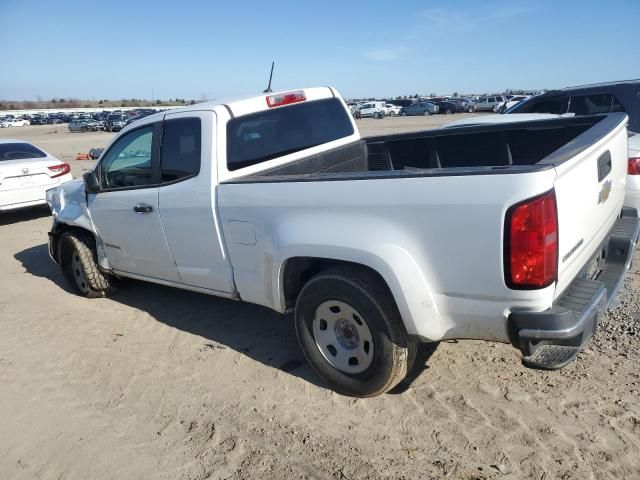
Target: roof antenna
(268,90)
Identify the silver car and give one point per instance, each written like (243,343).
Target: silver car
(487,104)
(420,108)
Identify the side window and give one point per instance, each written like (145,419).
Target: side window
(128,161)
(590,104)
(181,147)
(555,105)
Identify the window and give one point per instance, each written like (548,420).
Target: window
(19,150)
(262,136)
(181,148)
(128,161)
(590,104)
(557,105)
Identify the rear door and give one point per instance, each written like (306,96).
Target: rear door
(590,189)
(125,211)
(187,206)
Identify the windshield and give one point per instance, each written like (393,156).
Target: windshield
(19,150)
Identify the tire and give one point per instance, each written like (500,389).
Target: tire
(448,111)
(363,322)
(403,114)
(427,113)
(79,263)
(392,113)
(471,109)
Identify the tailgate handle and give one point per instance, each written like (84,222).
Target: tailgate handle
(604,165)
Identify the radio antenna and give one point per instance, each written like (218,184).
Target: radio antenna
(268,90)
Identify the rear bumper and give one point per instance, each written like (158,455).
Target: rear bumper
(573,318)
(632,199)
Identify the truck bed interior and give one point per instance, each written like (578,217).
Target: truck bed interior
(488,148)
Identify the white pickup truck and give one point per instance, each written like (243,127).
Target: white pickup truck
(513,233)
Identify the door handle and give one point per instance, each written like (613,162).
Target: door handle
(143,208)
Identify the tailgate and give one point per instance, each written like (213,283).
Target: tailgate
(590,189)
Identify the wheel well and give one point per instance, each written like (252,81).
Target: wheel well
(299,270)
(57,230)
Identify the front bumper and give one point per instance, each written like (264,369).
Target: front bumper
(552,338)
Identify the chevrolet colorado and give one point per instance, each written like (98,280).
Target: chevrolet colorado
(512,233)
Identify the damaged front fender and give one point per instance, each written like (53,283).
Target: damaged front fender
(68,204)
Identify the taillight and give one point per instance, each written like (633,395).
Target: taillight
(60,170)
(531,243)
(280,99)
(633,167)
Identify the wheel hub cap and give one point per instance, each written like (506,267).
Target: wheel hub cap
(343,337)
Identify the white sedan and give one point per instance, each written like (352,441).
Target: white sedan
(392,110)
(14,122)
(26,173)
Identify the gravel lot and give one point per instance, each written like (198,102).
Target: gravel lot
(167,384)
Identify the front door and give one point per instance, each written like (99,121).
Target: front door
(125,211)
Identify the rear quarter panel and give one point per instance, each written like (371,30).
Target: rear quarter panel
(437,241)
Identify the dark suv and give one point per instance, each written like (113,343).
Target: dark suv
(621,96)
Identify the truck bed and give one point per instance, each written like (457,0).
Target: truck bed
(473,150)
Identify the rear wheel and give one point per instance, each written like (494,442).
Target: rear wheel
(351,332)
(79,263)
(403,114)
(427,113)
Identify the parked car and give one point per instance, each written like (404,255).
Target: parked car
(116,122)
(83,125)
(353,106)
(38,120)
(371,109)
(621,96)
(450,106)
(420,108)
(26,172)
(468,105)
(283,186)
(402,102)
(487,104)
(14,122)
(510,102)
(392,110)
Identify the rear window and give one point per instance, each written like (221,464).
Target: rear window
(262,136)
(17,151)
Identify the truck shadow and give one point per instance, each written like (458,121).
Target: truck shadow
(24,215)
(254,331)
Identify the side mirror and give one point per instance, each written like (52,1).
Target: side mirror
(91,184)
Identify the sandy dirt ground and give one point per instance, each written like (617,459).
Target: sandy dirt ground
(166,384)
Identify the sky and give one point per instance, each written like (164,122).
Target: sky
(197,49)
